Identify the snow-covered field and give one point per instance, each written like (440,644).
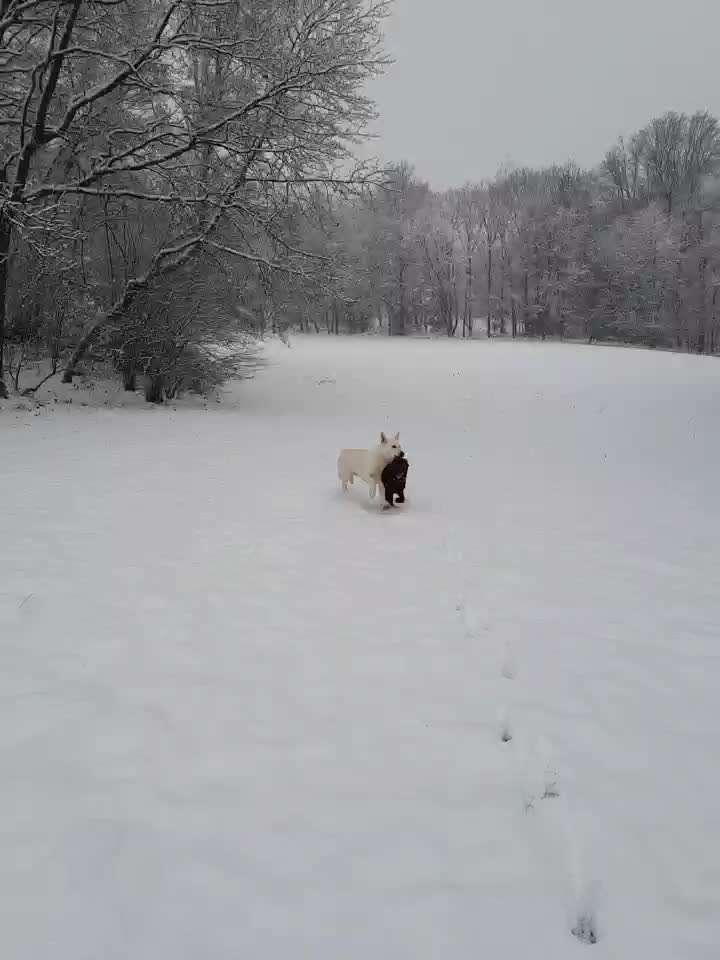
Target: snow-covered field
(246,717)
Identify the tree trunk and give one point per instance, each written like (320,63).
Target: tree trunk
(155,388)
(108,251)
(489,291)
(5,237)
(469,297)
(129,377)
(702,295)
(502,293)
(397,326)
(514,318)
(467,310)
(115,312)
(60,43)
(453,297)
(526,300)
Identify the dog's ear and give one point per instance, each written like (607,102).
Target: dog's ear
(383,438)
(397,435)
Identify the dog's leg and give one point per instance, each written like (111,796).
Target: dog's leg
(389,497)
(401,496)
(373,487)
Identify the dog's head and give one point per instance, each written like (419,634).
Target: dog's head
(390,447)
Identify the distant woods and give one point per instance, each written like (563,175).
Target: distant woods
(629,251)
(177,180)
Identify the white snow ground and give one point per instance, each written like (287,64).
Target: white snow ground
(244,716)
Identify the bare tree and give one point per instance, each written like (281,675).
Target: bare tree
(493,222)
(702,151)
(215,111)
(623,166)
(678,151)
(437,239)
(398,208)
(468,214)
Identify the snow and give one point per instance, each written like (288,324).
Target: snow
(246,716)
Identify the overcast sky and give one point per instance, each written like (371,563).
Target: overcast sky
(477,84)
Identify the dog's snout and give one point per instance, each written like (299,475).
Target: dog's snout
(402,453)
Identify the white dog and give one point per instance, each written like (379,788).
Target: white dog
(368,464)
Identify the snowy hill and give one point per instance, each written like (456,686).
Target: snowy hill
(246,716)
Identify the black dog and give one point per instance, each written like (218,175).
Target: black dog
(393,478)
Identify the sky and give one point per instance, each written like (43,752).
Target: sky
(477,85)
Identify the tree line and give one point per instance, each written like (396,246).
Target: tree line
(628,251)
